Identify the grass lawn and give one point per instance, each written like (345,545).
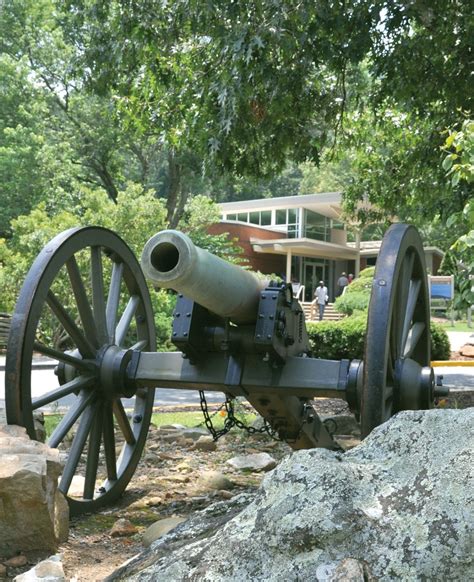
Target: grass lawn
(193,419)
(189,419)
(458,326)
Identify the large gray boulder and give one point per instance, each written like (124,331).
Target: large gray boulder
(33,513)
(397,507)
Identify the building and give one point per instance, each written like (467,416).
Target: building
(302,238)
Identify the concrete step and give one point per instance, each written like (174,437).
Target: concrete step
(330,314)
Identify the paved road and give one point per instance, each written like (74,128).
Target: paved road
(461,378)
(456,378)
(459,338)
(45,380)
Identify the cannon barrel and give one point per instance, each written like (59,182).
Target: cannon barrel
(171,260)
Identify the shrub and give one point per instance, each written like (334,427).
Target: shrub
(337,340)
(440,346)
(350,302)
(367,273)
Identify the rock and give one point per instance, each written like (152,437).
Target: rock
(225,494)
(38,418)
(153,501)
(467,351)
(3,571)
(76,489)
(175,438)
(50,570)
(204,443)
(31,514)
(347,570)
(400,504)
(183,468)
(347,442)
(341,424)
(255,462)
(151,458)
(123,528)
(168,427)
(213,480)
(195,433)
(177,478)
(16,561)
(145,502)
(61,517)
(160,528)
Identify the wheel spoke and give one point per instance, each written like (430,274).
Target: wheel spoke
(109,443)
(402,299)
(123,422)
(415,286)
(126,319)
(93,451)
(71,328)
(64,390)
(140,345)
(413,338)
(86,365)
(83,305)
(70,418)
(113,300)
(98,301)
(76,448)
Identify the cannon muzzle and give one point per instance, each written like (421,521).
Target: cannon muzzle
(171,260)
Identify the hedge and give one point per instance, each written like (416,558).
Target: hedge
(344,339)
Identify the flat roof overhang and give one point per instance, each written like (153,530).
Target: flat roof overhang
(303,247)
(326,203)
(372,249)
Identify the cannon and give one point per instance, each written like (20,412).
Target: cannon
(234,333)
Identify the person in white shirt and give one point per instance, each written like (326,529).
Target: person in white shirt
(320,299)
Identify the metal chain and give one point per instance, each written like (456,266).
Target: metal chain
(231,420)
(215,413)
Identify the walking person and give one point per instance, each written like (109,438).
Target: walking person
(320,299)
(342,283)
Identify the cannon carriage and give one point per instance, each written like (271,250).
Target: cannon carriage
(234,333)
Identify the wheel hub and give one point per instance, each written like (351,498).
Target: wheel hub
(416,385)
(112,372)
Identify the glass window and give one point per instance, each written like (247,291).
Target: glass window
(292,216)
(281,217)
(316,226)
(232,217)
(266,217)
(293,231)
(243,216)
(255,217)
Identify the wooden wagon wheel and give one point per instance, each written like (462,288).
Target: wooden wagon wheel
(396,372)
(88,286)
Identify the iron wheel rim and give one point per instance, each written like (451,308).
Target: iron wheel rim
(96,413)
(398,326)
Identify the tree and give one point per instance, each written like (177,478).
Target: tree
(135,216)
(459,167)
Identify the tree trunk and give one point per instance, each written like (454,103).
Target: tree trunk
(174,188)
(105,179)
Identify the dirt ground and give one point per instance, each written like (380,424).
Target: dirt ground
(166,484)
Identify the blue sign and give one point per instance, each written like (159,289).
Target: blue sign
(442,288)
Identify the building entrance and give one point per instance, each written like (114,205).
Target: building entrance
(313,272)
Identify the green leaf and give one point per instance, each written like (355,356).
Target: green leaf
(447,162)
